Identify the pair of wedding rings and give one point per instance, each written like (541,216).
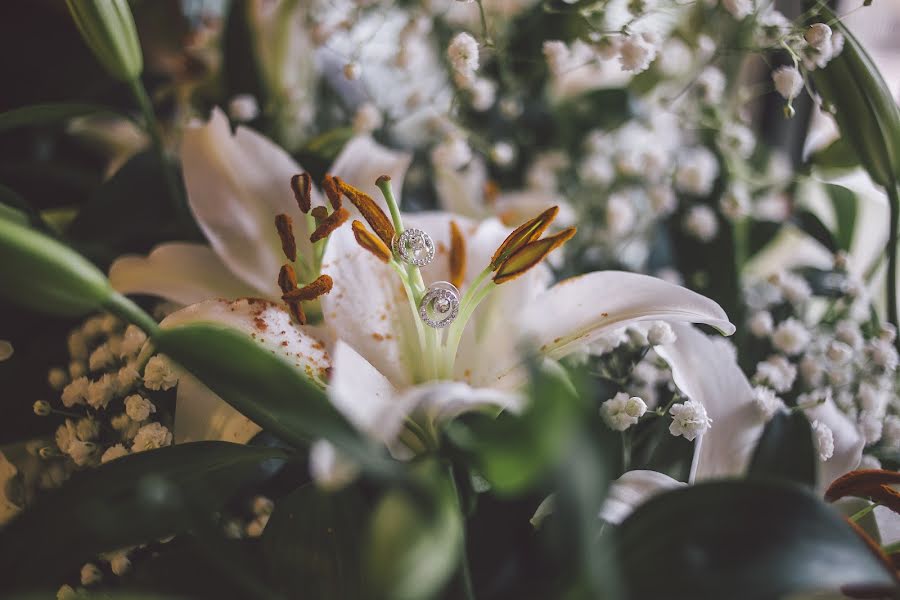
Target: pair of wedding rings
(439,306)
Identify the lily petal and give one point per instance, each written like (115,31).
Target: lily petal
(848,442)
(202,415)
(180,272)
(708,373)
(364,395)
(363,160)
(459,191)
(236,185)
(443,400)
(631,490)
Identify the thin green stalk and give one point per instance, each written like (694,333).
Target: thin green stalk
(152,126)
(860,514)
(894,201)
(464,571)
(131,312)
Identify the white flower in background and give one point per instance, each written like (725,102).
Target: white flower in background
(484,94)
(891,432)
(556,53)
(76,392)
(739,9)
(367,119)
(794,288)
(838,353)
(848,332)
(503,153)
(675,58)
(660,334)
(761,324)
(701,222)
(882,353)
(620,215)
(697,171)
(662,199)
(777,372)
(791,337)
(637,51)
(818,35)
(243,108)
(871,427)
(453,153)
(735,202)
(463,53)
(138,408)
(91,574)
(372,338)
(788,82)
(823,438)
(710,84)
(689,420)
(767,402)
(113,452)
(622,411)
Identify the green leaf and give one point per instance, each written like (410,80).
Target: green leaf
(44,114)
(742,540)
(135,499)
(865,110)
(268,389)
(39,272)
(810,224)
(845,206)
(785,451)
(513,451)
(414,542)
(312,542)
(838,155)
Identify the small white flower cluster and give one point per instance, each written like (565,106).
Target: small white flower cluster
(622,411)
(839,357)
(105,395)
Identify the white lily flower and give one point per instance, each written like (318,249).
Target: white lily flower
(380,361)
(712,377)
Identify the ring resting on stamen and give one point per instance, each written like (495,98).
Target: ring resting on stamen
(440,304)
(415,247)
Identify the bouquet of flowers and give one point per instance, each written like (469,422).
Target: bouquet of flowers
(448,299)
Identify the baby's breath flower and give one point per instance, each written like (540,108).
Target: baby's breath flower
(66,592)
(151,437)
(791,337)
(776,372)
(701,222)
(160,373)
(101,391)
(57,378)
(761,324)
(87,429)
(660,334)
(818,35)
(138,408)
(823,438)
(463,53)
(243,108)
(367,118)
(767,402)
(452,153)
(637,51)
(697,171)
(91,574)
(788,82)
(101,358)
(113,452)
(41,408)
(739,9)
(622,411)
(76,392)
(689,420)
(132,341)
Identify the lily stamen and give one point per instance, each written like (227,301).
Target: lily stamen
(285,227)
(301,185)
(329,224)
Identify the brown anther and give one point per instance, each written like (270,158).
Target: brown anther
(370,241)
(862,483)
(322,285)
(457,255)
(301,185)
(522,235)
(285,227)
(296,310)
(319,213)
(287,278)
(382,179)
(371,212)
(331,187)
(329,224)
(531,254)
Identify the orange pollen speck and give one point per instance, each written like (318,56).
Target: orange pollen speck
(329,224)
(301,185)
(284,225)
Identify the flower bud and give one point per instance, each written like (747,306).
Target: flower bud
(107,27)
(41,408)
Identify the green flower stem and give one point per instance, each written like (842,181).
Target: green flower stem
(862,513)
(152,126)
(894,198)
(131,312)
(465,572)
(470,302)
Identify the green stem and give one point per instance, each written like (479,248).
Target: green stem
(891,548)
(131,312)
(860,514)
(894,201)
(152,127)
(465,572)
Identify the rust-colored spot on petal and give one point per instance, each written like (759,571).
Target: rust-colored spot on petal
(531,254)
(287,278)
(522,235)
(322,285)
(301,185)
(329,224)
(457,255)
(861,484)
(370,242)
(331,187)
(285,226)
(371,212)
